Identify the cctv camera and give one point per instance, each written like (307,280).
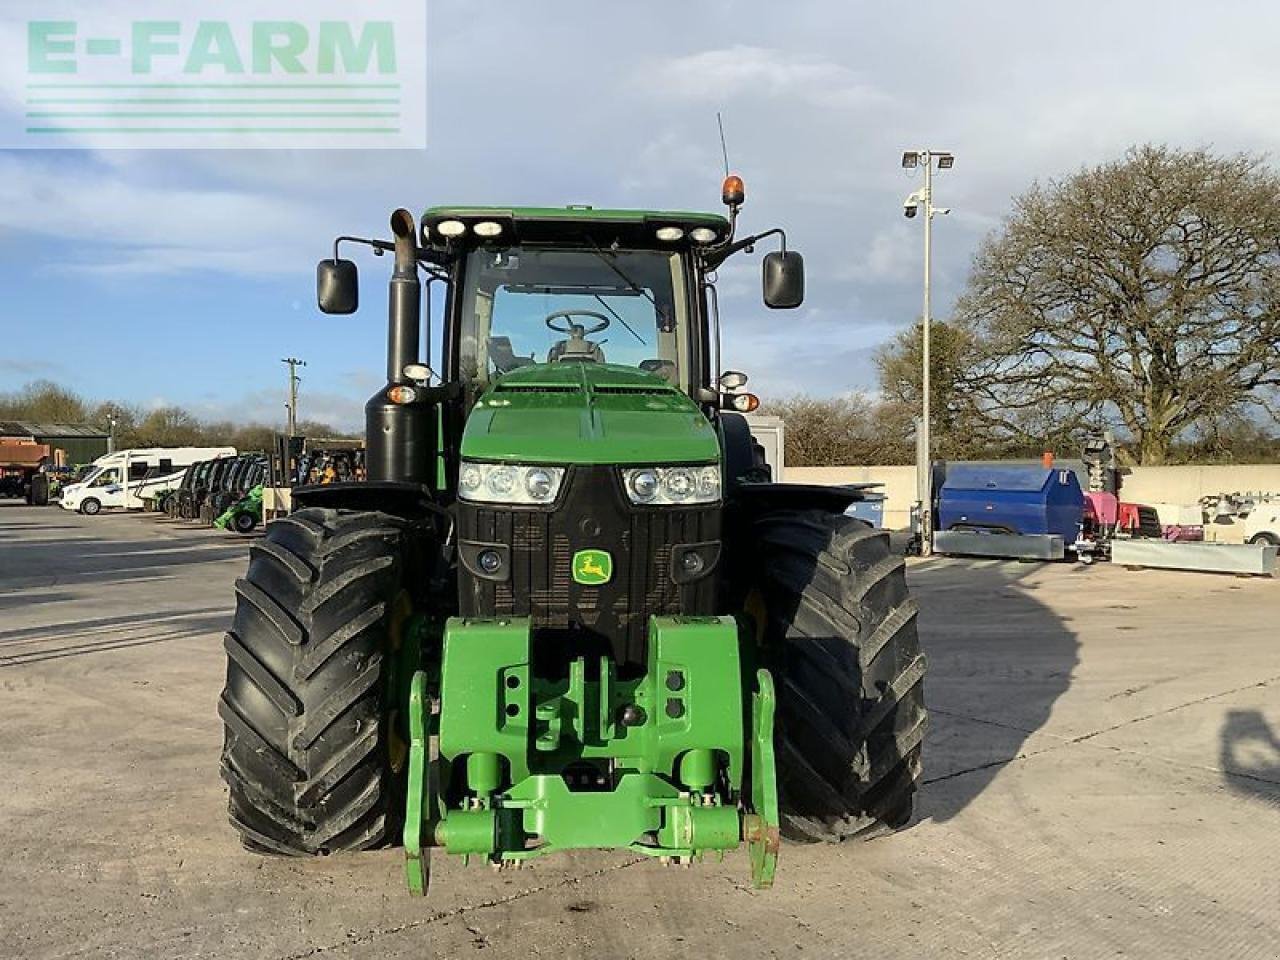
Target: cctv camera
(909,208)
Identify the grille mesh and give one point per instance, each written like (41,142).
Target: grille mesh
(593,513)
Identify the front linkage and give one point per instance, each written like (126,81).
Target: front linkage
(669,765)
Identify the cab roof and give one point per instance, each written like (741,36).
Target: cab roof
(578,213)
(552,224)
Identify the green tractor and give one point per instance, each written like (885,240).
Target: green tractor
(568,608)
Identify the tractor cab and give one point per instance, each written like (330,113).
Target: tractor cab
(576,286)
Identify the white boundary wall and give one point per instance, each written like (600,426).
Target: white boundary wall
(1183,485)
(1187,484)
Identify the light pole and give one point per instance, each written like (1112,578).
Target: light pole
(924,460)
(111,440)
(294,380)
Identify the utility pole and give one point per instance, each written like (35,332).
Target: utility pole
(924,448)
(294,380)
(926,469)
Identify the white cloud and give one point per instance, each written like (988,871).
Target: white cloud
(341,411)
(17,366)
(671,157)
(894,253)
(123,221)
(718,75)
(819,99)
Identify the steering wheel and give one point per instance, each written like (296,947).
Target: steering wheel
(568,326)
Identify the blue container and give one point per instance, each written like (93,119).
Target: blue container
(1019,499)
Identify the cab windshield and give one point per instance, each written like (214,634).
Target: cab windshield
(526,305)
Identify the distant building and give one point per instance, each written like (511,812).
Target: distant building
(78,442)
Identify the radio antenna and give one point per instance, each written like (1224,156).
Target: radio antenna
(724,150)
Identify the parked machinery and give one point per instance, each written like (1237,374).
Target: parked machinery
(325,465)
(231,484)
(241,506)
(13,483)
(1021,511)
(245,514)
(185,504)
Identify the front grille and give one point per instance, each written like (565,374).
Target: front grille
(593,512)
(633,391)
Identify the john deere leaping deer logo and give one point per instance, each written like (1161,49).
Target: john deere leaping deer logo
(592,567)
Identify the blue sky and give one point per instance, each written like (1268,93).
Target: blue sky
(185,276)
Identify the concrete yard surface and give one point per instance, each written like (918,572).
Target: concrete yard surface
(1102,779)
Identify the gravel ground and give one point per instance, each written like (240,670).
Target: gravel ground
(1102,779)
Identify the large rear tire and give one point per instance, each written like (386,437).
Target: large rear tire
(839,633)
(307,754)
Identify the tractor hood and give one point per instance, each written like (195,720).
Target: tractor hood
(584,413)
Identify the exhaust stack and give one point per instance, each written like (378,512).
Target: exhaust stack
(400,437)
(404,304)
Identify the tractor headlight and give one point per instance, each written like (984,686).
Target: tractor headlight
(508,483)
(643,485)
(672,486)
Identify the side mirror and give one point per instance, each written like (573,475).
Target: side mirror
(783,280)
(337,286)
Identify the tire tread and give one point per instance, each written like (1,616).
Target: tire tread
(304,755)
(842,641)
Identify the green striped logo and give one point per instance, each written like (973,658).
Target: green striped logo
(265,74)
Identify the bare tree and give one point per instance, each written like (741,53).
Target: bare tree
(961,428)
(838,431)
(957,432)
(1142,294)
(45,402)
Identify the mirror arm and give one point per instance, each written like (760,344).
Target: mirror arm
(425,256)
(718,256)
(379,246)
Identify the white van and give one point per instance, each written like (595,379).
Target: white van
(124,479)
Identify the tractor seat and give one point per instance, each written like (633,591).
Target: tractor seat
(503,356)
(662,368)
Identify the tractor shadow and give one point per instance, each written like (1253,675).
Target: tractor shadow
(84,561)
(58,641)
(999,659)
(1249,756)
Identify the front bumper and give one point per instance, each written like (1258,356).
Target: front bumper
(670,764)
